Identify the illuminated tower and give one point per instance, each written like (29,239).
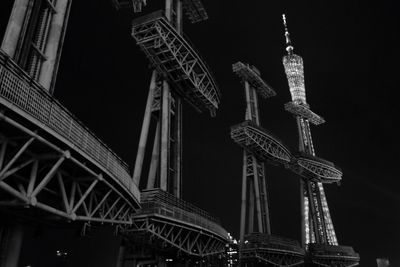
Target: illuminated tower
(257,245)
(318,234)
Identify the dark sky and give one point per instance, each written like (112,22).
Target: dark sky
(349,51)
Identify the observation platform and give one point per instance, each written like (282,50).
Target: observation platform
(173,56)
(179,224)
(330,255)
(51,161)
(315,169)
(260,142)
(271,250)
(252,75)
(304,112)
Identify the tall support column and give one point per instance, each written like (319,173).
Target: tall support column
(13,244)
(145,130)
(14,27)
(165,124)
(178,149)
(250,225)
(54,45)
(257,196)
(154,159)
(244,200)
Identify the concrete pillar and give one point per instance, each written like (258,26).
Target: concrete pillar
(13,243)
(14,27)
(54,44)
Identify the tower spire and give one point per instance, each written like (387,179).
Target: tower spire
(289,47)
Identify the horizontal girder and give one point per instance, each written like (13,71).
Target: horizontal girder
(173,55)
(55,183)
(252,76)
(260,142)
(23,97)
(304,112)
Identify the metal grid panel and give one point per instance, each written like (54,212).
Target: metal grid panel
(20,92)
(175,57)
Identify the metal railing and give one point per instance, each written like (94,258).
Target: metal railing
(22,94)
(163,203)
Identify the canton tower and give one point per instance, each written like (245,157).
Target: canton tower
(318,233)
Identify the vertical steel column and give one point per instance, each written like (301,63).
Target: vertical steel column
(151,181)
(165,133)
(257,195)
(145,130)
(54,44)
(250,225)
(178,149)
(244,199)
(13,245)
(14,27)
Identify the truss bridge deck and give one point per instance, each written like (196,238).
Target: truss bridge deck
(174,56)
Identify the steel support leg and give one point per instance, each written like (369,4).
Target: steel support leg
(145,130)
(13,246)
(15,25)
(165,127)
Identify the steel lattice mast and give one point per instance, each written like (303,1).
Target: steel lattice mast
(179,75)
(257,245)
(317,226)
(254,199)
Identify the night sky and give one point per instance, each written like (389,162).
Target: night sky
(349,54)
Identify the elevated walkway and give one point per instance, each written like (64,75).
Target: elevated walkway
(52,161)
(179,224)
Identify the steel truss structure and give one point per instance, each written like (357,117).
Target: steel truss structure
(172,55)
(27,99)
(35,172)
(304,111)
(328,255)
(174,221)
(179,75)
(317,228)
(258,246)
(260,142)
(272,251)
(315,169)
(252,75)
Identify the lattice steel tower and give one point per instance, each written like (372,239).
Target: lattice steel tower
(257,245)
(318,233)
(179,75)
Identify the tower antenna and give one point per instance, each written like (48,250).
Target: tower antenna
(289,47)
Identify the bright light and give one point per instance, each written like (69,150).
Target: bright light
(295,75)
(168,260)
